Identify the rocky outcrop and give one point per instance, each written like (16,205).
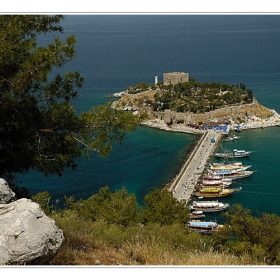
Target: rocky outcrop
(27,235)
(240,112)
(6,194)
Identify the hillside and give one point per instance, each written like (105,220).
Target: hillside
(236,112)
(110,228)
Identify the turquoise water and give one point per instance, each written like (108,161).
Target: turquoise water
(114,52)
(146,160)
(260,191)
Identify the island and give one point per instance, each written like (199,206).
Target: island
(194,106)
(211,110)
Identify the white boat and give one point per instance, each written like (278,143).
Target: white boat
(227,139)
(234,154)
(218,182)
(230,174)
(209,206)
(232,138)
(229,166)
(197,215)
(204,227)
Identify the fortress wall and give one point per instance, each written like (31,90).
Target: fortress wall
(232,112)
(175,78)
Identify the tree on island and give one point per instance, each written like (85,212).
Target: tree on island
(39,127)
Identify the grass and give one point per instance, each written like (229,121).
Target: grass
(97,243)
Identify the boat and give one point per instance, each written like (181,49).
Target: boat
(232,138)
(230,174)
(216,192)
(238,166)
(197,215)
(218,183)
(227,139)
(234,154)
(209,206)
(211,177)
(204,227)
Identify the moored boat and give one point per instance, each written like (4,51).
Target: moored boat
(227,139)
(234,154)
(231,138)
(197,215)
(218,183)
(230,174)
(229,166)
(203,227)
(216,192)
(209,206)
(211,177)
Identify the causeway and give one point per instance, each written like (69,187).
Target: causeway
(184,184)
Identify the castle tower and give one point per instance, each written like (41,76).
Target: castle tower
(175,78)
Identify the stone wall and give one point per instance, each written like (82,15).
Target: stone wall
(167,116)
(175,78)
(242,112)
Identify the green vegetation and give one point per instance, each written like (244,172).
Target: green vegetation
(195,97)
(39,127)
(111,226)
(140,88)
(40,130)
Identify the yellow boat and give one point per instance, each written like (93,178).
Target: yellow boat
(216,192)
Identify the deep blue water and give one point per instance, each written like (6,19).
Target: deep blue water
(116,51)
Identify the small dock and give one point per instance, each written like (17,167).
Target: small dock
(184,184)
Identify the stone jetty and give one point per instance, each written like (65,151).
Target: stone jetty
(184,184)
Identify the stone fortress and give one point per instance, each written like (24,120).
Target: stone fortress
(223,114)
(228,114)
(175,78)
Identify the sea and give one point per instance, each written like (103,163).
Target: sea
(115,51)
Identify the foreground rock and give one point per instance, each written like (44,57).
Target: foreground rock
(27,235)
(6,194)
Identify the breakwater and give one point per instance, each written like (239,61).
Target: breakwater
(184,184)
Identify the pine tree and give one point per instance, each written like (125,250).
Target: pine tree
(39,127)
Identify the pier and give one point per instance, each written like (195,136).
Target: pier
(184,184)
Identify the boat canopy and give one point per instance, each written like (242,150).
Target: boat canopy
(208,203)
(197,212)
(226,171)
(203,224)
(210,190)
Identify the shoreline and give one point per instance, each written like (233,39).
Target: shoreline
(249,124)
(179,128)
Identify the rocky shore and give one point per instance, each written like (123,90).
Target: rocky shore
(247,116)
(252,123)
(159,124)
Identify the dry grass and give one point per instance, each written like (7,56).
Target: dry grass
(97,243)
(143,255)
